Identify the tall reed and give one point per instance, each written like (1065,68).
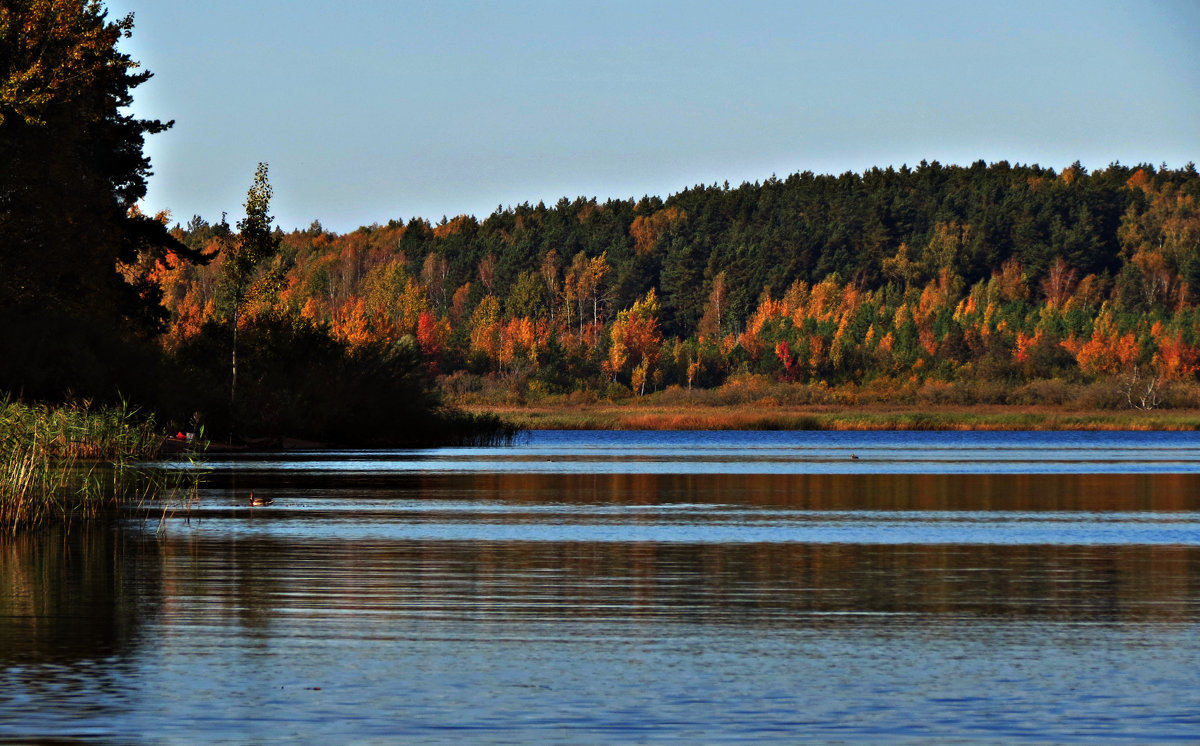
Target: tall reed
(69,461)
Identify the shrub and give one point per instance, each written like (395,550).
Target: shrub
(1043,392)
(1181,395)
(1106,394)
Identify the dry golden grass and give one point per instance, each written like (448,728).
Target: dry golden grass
(636,415)
(756,402)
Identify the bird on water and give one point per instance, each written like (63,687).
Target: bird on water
(258,502)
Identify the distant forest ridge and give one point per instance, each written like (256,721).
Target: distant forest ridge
(1003,271)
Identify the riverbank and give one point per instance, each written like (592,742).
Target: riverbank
(649,416)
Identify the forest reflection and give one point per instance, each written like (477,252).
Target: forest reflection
(89,595)
(1024,492)
(74,603)
(982,492)
(259,581)
(73,594)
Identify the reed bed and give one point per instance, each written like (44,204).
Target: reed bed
(65,462)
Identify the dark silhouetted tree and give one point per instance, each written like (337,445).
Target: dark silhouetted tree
(72,169)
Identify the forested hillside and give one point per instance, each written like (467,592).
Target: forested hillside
(1001,272)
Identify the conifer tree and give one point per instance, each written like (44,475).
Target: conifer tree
(72,169)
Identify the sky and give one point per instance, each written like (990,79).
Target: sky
(373,110)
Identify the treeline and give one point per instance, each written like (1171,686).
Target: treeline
(1009,273)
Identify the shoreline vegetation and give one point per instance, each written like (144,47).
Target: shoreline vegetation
(647,416)
(75,461)
(752,402)
(72,461)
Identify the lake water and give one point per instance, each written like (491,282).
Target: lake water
(631,587)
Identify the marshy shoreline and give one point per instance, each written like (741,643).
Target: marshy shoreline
(64,462)
(72,461)
(61,463)
(771,416)
(759,402)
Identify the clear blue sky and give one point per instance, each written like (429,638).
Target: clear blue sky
(369,110)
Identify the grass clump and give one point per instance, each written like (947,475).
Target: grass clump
(69,461)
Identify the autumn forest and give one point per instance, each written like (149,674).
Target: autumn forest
(892,278)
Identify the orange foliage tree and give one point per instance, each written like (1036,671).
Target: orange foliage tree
(647,230)
(636,341)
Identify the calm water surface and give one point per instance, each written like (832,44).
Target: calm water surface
(632,587)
